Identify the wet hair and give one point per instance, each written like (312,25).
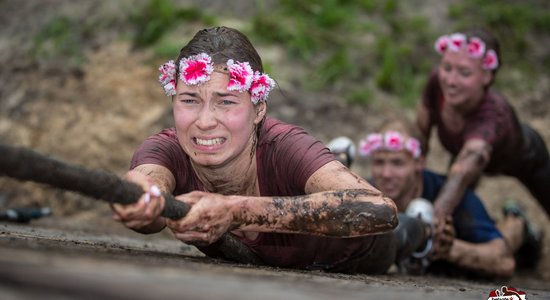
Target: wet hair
(222,43)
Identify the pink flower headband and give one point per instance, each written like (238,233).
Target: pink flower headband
(196,69)
(392,141)
(476,48)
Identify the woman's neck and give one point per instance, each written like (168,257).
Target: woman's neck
(238,177)
(469,106)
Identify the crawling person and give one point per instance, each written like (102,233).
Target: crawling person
(398,169)
(267,183)
(476,124)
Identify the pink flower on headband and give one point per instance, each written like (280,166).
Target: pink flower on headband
(456,41)
(490,61)
(167,77)
(393,141)
(476,47)
(441,44)
(373,142)
(261,85)
(413,145)
(240,76)
(196,69)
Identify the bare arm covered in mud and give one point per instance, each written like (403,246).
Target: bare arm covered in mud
(337,203)
(467,168)
(492,258)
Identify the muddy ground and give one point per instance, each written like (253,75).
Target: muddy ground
(59,259)
(94,114)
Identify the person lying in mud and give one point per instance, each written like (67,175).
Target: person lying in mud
(269,184)
(397,167)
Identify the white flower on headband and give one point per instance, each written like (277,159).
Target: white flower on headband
(441,44)
(167,77)
(413,145)
(476,48)
(373,142)
(196,69)
(490,61)
(261,85)
(391,141)
(240,76)
(456,41)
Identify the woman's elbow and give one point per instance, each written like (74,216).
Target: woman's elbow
(370,215)
(386,216)
(393,221)
(507,266)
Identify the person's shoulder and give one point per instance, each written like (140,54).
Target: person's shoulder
(164,135)
(495,101)
(274,129)
(168,133)
(275,125)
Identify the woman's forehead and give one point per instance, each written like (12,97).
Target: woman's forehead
(217,83)
(461,58)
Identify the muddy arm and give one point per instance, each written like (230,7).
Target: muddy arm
(490,258)
(467,168)
(338,203)
(344,213)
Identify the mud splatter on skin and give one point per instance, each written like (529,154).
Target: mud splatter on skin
(343,213)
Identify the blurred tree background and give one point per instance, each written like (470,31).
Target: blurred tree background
(355,48)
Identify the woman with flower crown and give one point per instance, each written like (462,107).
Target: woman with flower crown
(268,184)
(477,125)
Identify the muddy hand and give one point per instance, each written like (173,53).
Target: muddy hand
(146,210)
(443,237)
(210,216)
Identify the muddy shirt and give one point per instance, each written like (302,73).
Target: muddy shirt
(495,122)
(286,157)
(470,219)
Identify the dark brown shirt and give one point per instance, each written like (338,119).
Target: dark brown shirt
(286,156)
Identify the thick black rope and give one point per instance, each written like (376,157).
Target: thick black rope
(25,164)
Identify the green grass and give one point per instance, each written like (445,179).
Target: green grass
(152,21)
(355,47)
(59,39)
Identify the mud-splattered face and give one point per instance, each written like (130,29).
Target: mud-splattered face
(214,125)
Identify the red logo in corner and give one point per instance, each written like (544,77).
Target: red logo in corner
(507,293)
